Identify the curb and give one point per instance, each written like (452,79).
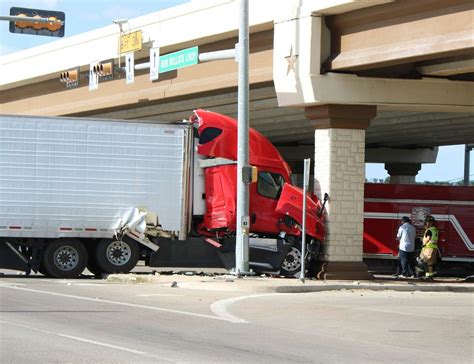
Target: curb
(268,286)
(371,287)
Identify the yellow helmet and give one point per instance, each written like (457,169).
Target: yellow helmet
(429,218)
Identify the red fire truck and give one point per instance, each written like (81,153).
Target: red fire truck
(451,206)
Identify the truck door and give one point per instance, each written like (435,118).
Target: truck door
(380,228)
(459,237)
(263,201)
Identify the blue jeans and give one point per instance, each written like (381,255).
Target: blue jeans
(405,261)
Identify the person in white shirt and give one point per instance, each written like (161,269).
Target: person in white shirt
(406,235)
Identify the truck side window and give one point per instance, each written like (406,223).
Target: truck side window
(209,134)
(270,184)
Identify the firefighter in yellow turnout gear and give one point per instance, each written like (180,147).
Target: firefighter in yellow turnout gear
(430,251)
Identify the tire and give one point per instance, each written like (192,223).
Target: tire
(291,265)
(64,258)
(117,256)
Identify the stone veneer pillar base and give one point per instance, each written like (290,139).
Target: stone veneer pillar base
(344,271)
(340,172)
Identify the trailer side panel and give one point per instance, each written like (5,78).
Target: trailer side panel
(67,177)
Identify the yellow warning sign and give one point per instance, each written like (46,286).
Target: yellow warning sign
(131,42)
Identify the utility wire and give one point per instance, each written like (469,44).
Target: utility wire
(459,179)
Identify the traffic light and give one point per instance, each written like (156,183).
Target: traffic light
(70,78)
(104,70)
(52,28)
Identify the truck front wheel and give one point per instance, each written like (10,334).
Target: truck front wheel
(291,265)
(117,256)
(64,258)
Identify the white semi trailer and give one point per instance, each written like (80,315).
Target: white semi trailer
(75,192)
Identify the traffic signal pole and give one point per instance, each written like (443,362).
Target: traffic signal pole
(48,23)
(303,219)
(30,19)
(467,163)
(243,220)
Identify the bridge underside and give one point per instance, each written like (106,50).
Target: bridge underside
(290,127)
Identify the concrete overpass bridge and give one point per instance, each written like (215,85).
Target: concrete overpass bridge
(342,81)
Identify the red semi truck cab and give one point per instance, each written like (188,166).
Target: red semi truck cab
(272,197)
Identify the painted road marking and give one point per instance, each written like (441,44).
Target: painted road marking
(8,284)
(220,307)
(99,300)
(92,342)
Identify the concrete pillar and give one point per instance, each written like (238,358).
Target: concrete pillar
(402,173)
(340,171)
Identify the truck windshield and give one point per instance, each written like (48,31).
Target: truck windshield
(270,184)
(209,134)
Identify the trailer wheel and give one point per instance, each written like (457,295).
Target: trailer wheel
(64,258)
(291,265)
(117,256)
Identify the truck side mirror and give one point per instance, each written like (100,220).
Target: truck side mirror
(325,199)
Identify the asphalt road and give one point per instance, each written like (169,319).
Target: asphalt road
(93,321)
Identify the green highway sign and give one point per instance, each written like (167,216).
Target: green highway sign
(183,58)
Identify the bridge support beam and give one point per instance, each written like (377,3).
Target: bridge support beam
(340,172)
(402,164)
(403,173)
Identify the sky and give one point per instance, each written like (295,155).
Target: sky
(449,166)
(85,15)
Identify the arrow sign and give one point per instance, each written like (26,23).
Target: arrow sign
(130,67)
(154,63)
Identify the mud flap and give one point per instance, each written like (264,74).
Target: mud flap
(10,258)
(190,253)
(197,253)
(261,259)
